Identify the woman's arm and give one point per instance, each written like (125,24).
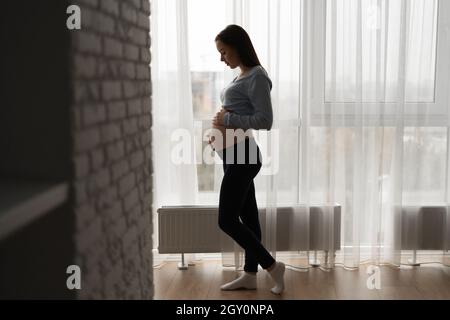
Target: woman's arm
(259,95)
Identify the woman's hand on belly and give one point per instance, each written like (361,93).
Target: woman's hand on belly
(218,119)
(217,123)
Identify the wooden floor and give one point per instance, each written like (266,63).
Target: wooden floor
(203,281)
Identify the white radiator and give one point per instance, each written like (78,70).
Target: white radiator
(194,229)
(425,227)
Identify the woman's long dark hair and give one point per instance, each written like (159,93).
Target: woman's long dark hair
(236,37)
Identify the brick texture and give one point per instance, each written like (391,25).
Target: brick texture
(112,120)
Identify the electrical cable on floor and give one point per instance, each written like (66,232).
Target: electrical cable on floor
(326,269)
(420,263)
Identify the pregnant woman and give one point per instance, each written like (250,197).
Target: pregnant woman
(246,106)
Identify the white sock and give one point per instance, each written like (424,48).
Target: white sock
(277,274)
(245,281)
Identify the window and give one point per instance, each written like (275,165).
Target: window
(380,38)
(336,60)
(334,67)
(207,76)
(424,129)
(424,152)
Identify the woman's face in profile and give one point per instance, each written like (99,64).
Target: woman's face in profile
(227,54)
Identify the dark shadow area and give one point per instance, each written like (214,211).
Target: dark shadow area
(36,147)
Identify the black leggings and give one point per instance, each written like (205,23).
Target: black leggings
(237,199)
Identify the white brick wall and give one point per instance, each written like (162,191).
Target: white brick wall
(112,133)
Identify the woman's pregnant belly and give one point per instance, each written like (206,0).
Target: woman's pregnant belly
(222,137)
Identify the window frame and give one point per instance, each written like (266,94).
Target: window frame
(346,113)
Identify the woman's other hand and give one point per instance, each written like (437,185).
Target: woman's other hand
(218,123)
(219,118)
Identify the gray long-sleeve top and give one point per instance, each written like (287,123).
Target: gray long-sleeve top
(249,101)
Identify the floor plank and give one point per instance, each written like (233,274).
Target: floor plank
(203,281)
(192,283)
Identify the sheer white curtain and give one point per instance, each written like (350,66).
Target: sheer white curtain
(361,125)
(361,107)
(175,175)
(375,134)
